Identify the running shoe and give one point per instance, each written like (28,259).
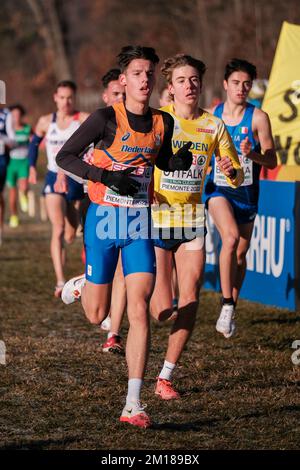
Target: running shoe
(133,413)
(14,221)
(23,200)
(114,345)
(72,289)
(164,389)
(225,323)
(106,324)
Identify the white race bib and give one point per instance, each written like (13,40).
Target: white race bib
(142,175)
(246,164)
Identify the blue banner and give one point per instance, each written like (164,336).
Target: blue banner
(272,275)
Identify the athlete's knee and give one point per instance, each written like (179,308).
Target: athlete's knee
(69,238)
(58,230)
(230,241)
(241,258)
(138,311)
(94,314)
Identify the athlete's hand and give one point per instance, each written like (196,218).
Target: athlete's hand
(225,165)
(89,156)
(245,146)
(32,178)
(61,183)
(120,182)
(183,159)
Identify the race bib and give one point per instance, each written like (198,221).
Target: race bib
(141,199)
(185,181)
(246,164)
(19,153)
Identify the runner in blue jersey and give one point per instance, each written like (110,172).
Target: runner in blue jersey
(234,210)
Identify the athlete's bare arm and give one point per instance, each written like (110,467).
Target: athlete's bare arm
(261,129)
(42,125)
(40,130)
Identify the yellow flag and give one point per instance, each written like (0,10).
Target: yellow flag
(282,102)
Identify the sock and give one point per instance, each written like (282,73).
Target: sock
(111,334)
(167,370)
(227,301)
(134,390)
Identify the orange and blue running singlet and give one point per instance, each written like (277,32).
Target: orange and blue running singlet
(121,139)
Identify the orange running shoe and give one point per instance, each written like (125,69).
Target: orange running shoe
(165,390)
(133,413)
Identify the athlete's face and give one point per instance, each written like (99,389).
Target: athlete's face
(186,85)
(64,99)
(16,117)
(139,80)
(113,93)
(238,86)
(165,98)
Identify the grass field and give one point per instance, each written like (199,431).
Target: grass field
(59,391)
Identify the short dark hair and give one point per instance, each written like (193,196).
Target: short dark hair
(110,76)
(130,53)
(237,65)
(19,107)
(67,84)
(179,60)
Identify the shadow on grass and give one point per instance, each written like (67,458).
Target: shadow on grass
(197,426)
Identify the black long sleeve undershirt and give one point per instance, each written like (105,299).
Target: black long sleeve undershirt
(100,129)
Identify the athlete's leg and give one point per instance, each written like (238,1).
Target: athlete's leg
(95,299)
(23,193)
(139,288)
(161,305)
(56,209)
(243,246)
(11,182)
(12,192)
(118,299)
(190,258)
(71,220)
(223,217)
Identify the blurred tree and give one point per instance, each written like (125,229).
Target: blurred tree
(49,28)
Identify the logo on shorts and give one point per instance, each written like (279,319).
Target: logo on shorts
(89,270)
(125,137)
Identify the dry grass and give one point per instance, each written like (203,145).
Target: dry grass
(58,391)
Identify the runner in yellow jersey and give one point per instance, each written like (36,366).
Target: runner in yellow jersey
(178,215)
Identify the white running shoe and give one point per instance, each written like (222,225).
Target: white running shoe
(225,323)
(106,324)
(134,413)
(72,289)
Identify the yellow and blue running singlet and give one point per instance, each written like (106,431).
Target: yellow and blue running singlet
(179,194)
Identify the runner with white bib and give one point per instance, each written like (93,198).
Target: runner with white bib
(234,211)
